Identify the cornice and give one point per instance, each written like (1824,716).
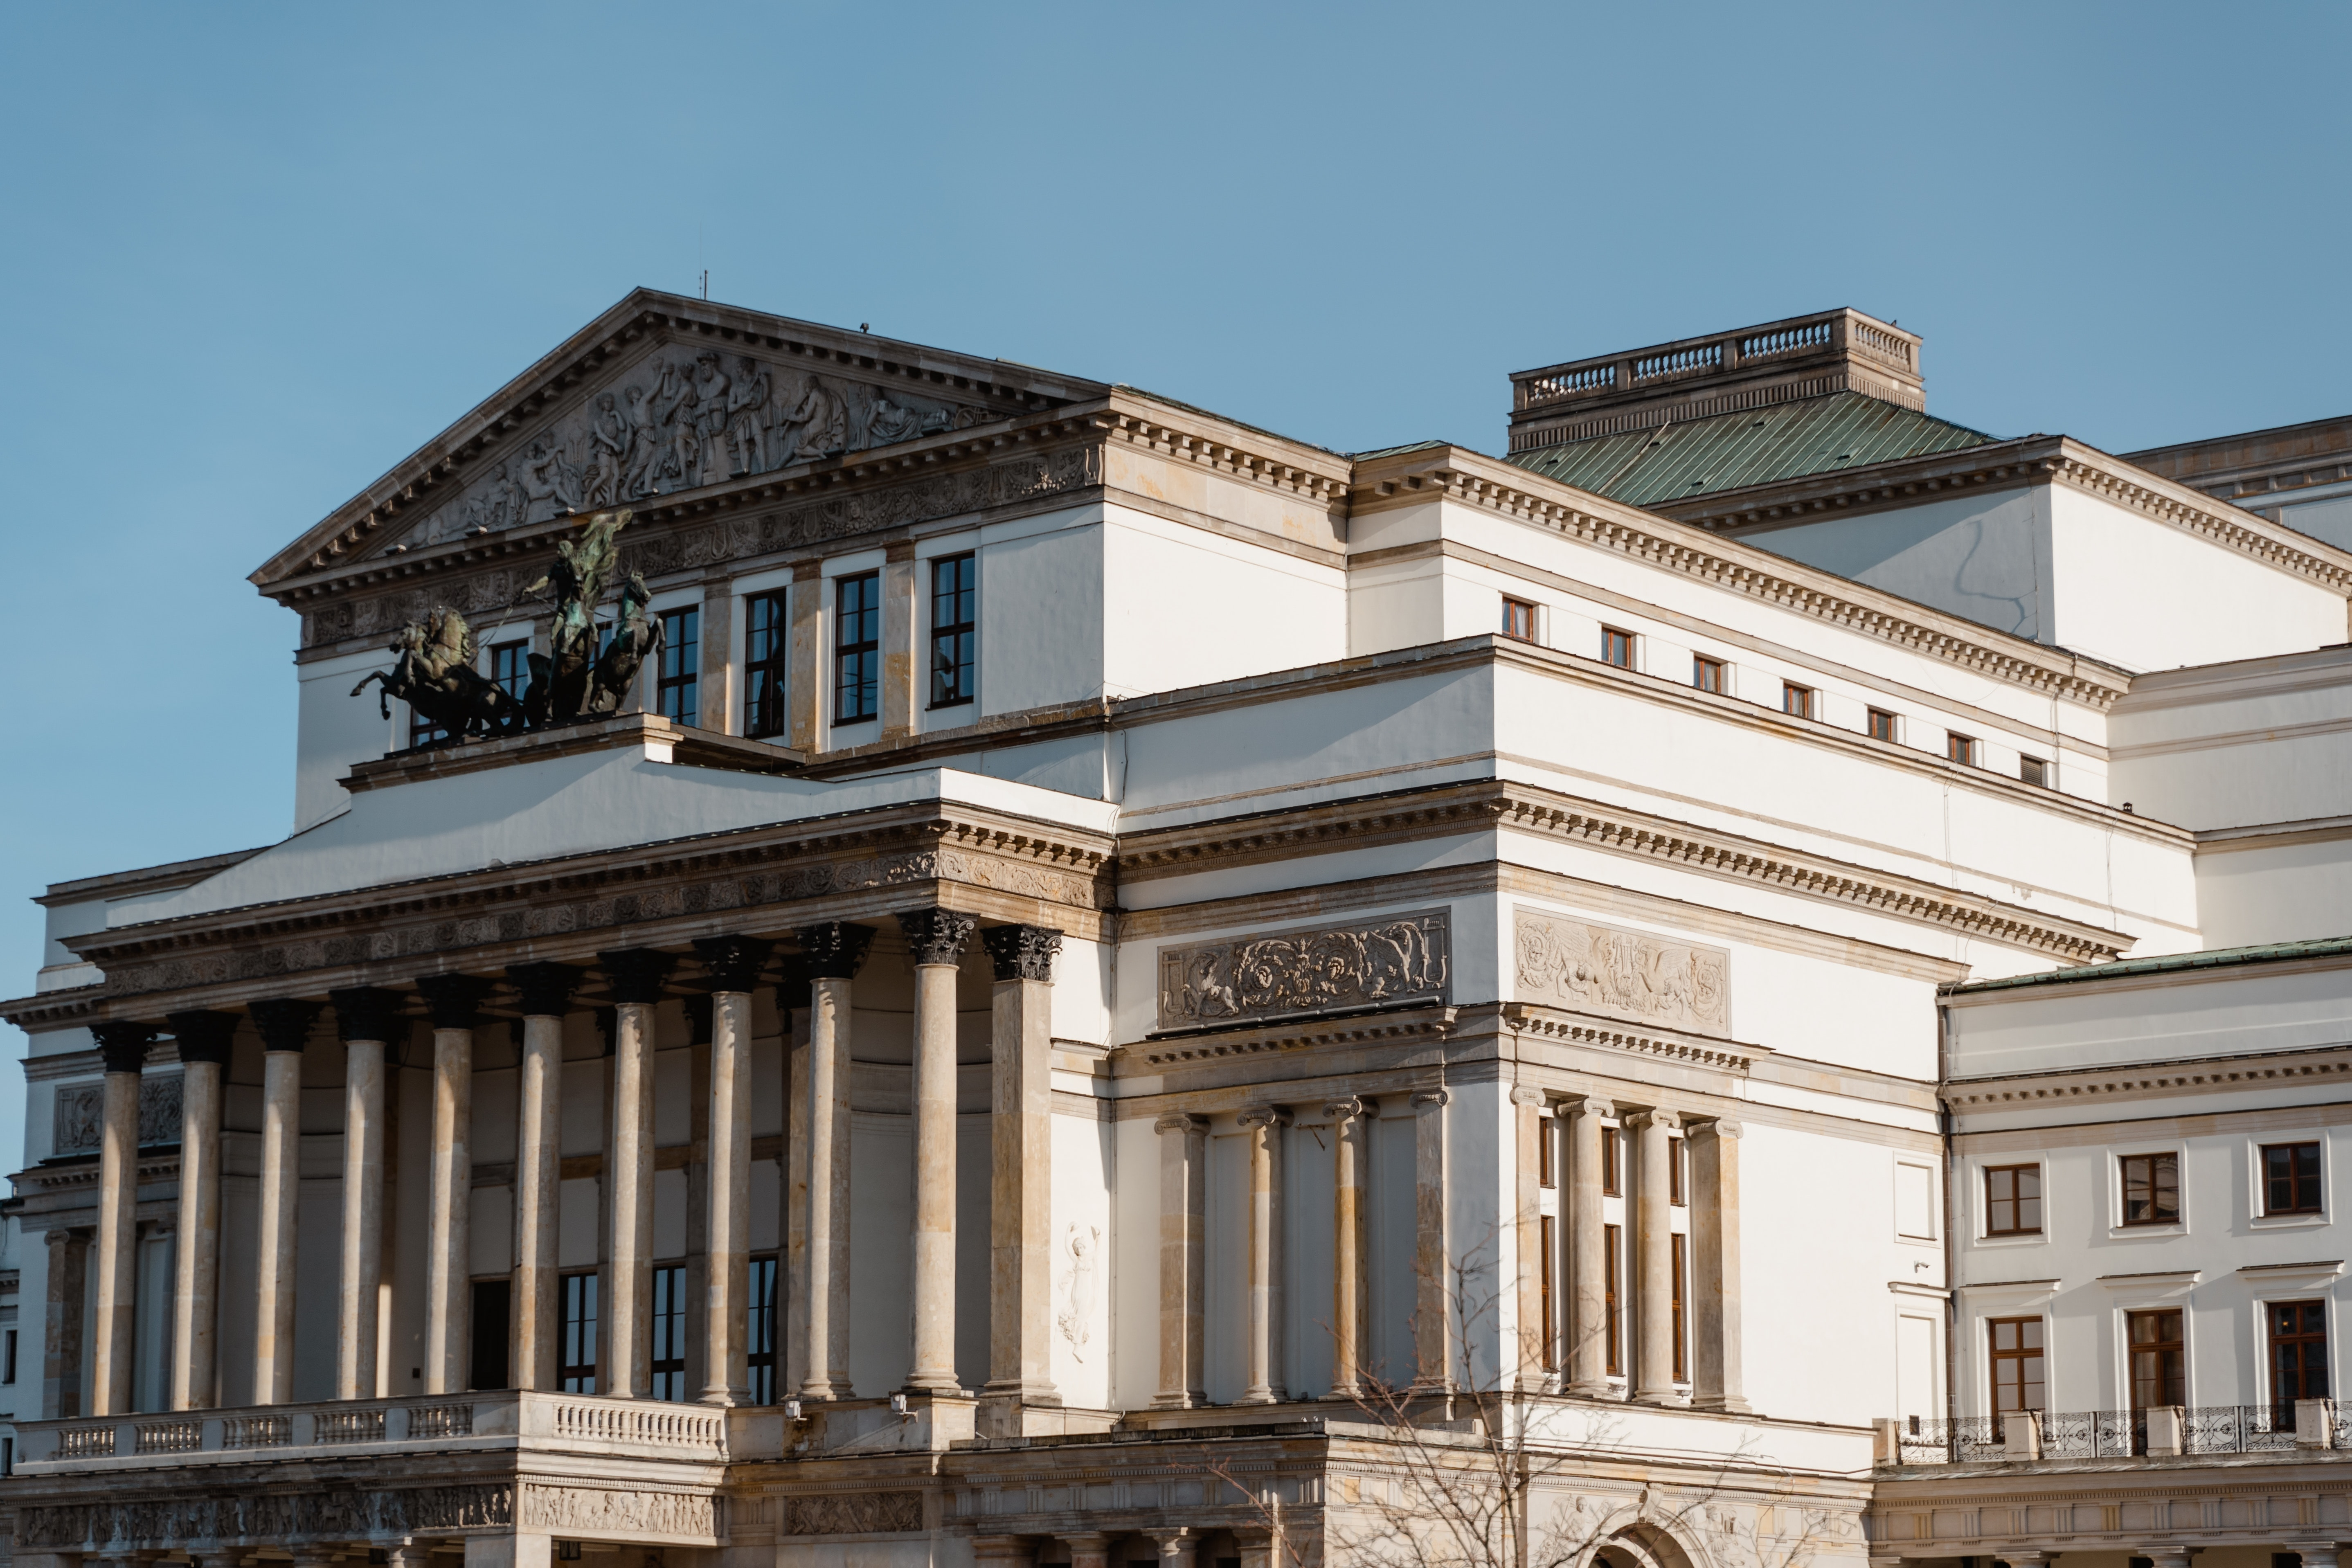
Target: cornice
(1556,1024)
(1470,479)
(2328,1064)
(1193,1047)
(1235,451)
(2028,460)
(426,475)
(1447,810)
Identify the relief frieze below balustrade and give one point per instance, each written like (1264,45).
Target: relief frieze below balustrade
(525,918)
(335,1513)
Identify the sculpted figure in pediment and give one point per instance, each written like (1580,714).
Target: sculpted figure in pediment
(747,417)
(549,485)
(817,425)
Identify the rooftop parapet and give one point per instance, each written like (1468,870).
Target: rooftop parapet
(1778,362)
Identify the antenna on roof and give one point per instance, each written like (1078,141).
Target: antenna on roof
(705,282)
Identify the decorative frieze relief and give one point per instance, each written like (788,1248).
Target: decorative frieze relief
(78,1118)
(854,1513)
(617,1510)
(1617,973)
(340,1513)
(1283,973)
(532,919)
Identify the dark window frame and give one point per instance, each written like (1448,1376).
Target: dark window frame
(1548,1245)
(2301,1187)
(1710,674)
(678,678)
(666,1334)
(1798,702)
(577,1331)
(1612,1291)
(1962,749)
(955,641)
(1617,647)
(511,668)
(2295,1328)
(1878,723)
(1612,1159)
(1677,1187)
(1679,1249)
(1547,1151)
(2149,1179)
(858,648)
(1523,612)
(489,1357)
(2019,1370)
(2158,1361)
(763,1364)
(2013,1201)
(767,663)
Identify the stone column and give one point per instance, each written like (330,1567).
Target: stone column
(1183,1202)
(1004,1550)
(1265,1124)
(935,940)
(364,1018)
(733,964)
(1257,1543)
(1653,1367)
(1528,1130)
(1178,1548)
(1021,1172)
(285,1025)
(1717,1382)
(830,953)
(1432,1264)
(1351,1120)
(61,1362)
(534,1324)
(203,1040)
(2315,1554)
(123,1046)
(1588,1261)
(636,975)
(902,632)
(452,1001)
(792,1285)
(1088,1550)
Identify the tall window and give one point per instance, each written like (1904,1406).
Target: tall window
(1617,647)
(1796,700)
(856,648)
(2016,1344)
(2151,1189)
(2298,1355)
(1882,724)
(1680,1251)
(2013,1200)
(1707,674)
(578,1349)
(955,626)
(1959,748)
(767,620)
(493,1301)
(8,1372)
(511,668)
(1548,1237)
(760,1333)
(1547,1151)
(1518,619)
(1611,1277)
(1610,1181)
(674,691)
(668,1363)
(2291,1178)
(2159,1370)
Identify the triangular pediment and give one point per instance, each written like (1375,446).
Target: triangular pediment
(662,394)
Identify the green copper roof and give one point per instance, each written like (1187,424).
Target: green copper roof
(1755,447)
(2212,958)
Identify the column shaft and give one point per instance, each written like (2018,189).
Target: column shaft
(203,1041)
(536,1327)
(125,1047)
(728,1378)
(1350,1123)
(805,668)
(1717,1380)
(1587,1322)
(363,1259)
(1266,1259)
(61,1345)
(824,1318)
(1530,1128)
(1654,1230)
(449,1212)
(1433,1324)
(1021,1169)
(628,1175)
(936,939)
(793,1002)
(1183,1199)
(274,1251)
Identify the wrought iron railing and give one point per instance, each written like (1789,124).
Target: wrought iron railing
(2113,1433)
(2094,1434)
(2236,1428)
(1964,1440)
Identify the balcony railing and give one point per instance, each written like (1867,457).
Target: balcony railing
(2167,1431)
(510,1419)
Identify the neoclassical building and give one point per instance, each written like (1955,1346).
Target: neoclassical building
(1123,988)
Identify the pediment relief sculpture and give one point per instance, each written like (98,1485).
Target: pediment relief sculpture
(680,418)
(1617,973)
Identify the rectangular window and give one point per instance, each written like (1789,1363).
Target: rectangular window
(493,1301)
(2033,771)
(1547,1229)
(1547,1151)
(2013,1200)
(760,1334)
(2151,1189)
(1796,700)
(1680,1251)
(1610,1271)
(676,689)
(423,731)
(1676,1193)
(1518,619)
(578,1349)
(1609,1174)
(668,1359)
(1617,647)
(1707,674)
(2291,1178)
(1882,725)
(858,648)
(511,668)
(2159,1369)
(2016,1365)
(1959,748)
(2298,1356)
(8,1372)
(767,619)
(955,628)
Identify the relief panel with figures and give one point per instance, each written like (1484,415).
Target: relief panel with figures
(1619,974)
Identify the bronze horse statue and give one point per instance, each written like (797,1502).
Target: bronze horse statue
(434,675)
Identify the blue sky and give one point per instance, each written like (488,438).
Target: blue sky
(257,254)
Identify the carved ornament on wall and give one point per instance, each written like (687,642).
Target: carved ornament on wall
(77,1123)
(1279,974)
(1620,974)
(854,1513)
(615,1510)
(335,1513)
